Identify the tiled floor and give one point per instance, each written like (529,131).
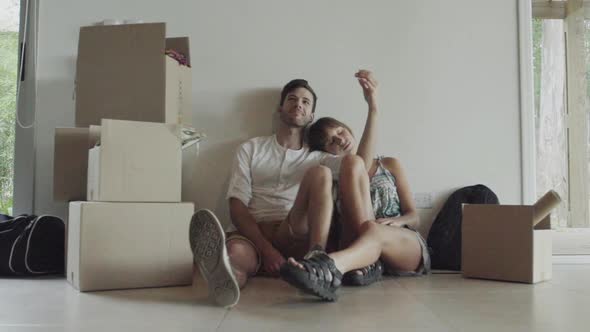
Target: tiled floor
(433,303)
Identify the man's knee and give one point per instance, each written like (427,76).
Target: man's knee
(243,256)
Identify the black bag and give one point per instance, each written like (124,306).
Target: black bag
(31,245)
(444,238)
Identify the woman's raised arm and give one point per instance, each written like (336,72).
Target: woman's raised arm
(366,148)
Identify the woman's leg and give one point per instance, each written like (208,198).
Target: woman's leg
(311,214)
(398,247)
(364,241)
(322,274)
(355,198)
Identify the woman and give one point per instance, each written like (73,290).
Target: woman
(377,212)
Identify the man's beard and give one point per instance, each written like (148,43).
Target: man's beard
(293,123)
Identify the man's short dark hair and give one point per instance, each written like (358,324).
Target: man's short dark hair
(316,135)
(295,84)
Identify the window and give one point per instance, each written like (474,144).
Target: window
(561,43)
(561,71)
(9,41)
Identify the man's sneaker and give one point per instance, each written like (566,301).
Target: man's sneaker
(207,241)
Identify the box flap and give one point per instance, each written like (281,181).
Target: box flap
(181,45)
(120,73)
(70,164)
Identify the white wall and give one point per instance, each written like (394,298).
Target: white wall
(448,72)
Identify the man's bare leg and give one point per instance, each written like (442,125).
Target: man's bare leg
(244,260)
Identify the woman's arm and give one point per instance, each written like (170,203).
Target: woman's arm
(408,208)
(366,148)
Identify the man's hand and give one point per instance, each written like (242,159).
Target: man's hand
(272,261)
(369,85)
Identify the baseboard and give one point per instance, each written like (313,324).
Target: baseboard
(571,259)
(571,242)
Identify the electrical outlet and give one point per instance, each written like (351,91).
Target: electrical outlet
(423,200)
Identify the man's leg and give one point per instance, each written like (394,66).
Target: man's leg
(207,241)
(244,259)
(311,214)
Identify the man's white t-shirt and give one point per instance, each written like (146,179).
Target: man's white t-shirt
(266,176)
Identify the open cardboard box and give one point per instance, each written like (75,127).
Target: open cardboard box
(500,242)
(128,245)
(122,73)
(135,162)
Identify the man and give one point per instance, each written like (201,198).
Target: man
(280,200)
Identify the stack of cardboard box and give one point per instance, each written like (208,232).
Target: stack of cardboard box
(120,167)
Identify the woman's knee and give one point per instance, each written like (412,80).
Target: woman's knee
(319,174)
(352,164)
(368,228)
(318,179)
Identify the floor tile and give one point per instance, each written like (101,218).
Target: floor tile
(442,302)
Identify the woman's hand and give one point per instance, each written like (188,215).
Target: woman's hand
(369,85)
(390,222)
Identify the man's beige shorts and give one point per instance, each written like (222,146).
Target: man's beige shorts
(278,233)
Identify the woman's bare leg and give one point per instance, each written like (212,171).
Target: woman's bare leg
(368,241)
(355,198)
(311,214)
(398,247)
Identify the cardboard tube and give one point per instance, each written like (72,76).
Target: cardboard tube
(545,205)
(93,136)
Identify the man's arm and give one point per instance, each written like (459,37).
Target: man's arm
(366,148)
(246,225)
(239,194)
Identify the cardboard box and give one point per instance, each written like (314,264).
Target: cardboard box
(135,162)
(70,163)
(499,242)
(123,73)
(128,245)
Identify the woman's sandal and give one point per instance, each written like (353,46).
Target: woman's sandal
(369,275)
(320,276)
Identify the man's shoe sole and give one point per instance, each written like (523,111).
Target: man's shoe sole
(207,240)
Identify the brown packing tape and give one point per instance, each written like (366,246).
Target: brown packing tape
(544,206)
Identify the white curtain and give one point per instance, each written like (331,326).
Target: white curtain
(552,167)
